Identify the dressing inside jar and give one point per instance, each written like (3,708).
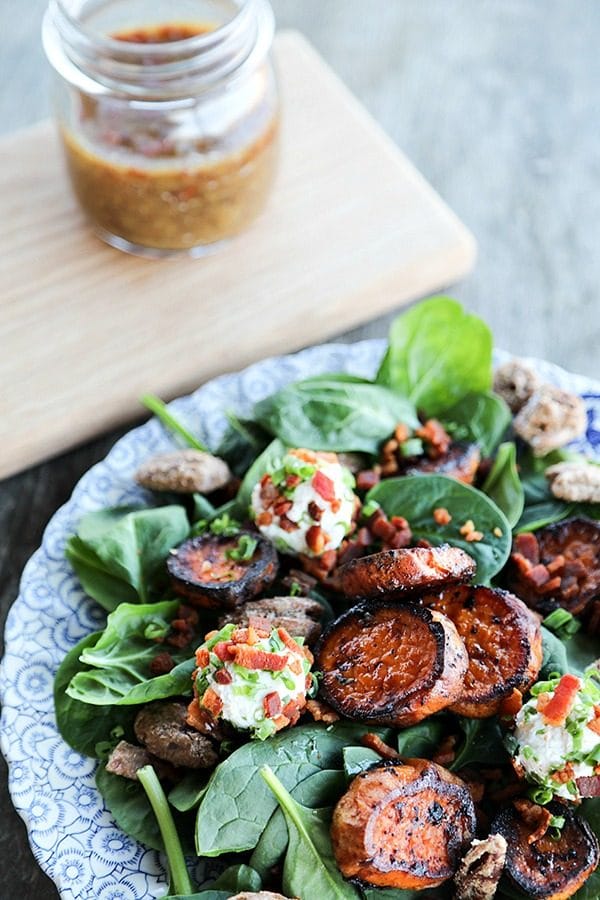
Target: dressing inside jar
(169,126)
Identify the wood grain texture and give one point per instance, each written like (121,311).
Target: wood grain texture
(496,102)
(346,236)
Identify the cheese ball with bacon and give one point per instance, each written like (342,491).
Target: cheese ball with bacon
(254,678)
(305,503)
(556,742)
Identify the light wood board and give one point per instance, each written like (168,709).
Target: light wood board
(352,231)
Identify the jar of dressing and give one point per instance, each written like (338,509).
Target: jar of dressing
(168,113)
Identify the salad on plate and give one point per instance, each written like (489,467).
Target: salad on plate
(351,650)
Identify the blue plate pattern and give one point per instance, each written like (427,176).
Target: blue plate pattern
(71,833)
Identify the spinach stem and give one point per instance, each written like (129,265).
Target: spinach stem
(283,797)
(179,876)
(156,406)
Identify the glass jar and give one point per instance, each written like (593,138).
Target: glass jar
(168,113)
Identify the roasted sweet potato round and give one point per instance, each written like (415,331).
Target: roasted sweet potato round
(402,825)
(548,869)
(503,641)
(207,573)
(557,566)
(404,573)
(460,462)
(390,664)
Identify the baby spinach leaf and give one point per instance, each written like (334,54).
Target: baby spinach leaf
(422,739)
(123,549)
(238,878)
(310,869)
(482,418)
(324,788)
(538,515)
(482,744)
(503,484)
(339,415)
(81,725)
(119,660)
(359,759)
(267,460)
(242,442)
(416,497)
(554,655)
(437,354)
(127,803)
(237,805)
(188,793)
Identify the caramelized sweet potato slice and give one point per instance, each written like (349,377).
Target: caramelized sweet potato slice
(202,570)
(547,869)
(460,462)
(402,825)
(390,664)
(557,566)
(503,641)
(403,573)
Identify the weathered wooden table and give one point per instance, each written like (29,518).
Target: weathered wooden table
(497,104)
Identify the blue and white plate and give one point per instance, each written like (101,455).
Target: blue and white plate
(71,833)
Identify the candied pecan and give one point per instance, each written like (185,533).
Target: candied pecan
(515,382)
(480,869)
(550,419)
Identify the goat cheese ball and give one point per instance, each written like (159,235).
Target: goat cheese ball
(556,743)
(253,678)
(305,503)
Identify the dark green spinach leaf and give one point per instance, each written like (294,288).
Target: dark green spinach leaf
(421,740)
(416,497)
(117,665)
(359,759)
(503,484)
(310,869)
(324,788)
(267,460)
(482,418)
(437,354)
(119,553)
(237,805)
(335,414)
(83,726)
(188,793)
(482,744)
(242,442)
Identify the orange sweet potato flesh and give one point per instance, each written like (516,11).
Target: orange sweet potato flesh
(503,641)
(548,869)
(404,573)
(402,825)
(390,664)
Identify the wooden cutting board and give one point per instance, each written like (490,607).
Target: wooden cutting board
(352,231)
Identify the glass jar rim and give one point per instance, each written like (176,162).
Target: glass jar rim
(99,64)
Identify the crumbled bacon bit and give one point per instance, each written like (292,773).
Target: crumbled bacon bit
(307,456)
(401,432)
(441,516)
(223,676)
(374,742)
(588,785)
(537,817)
(272,705)
(224,650)
(336,505)
(467,528)
(474,536)
(368,478)
(287,524)
(162,664)
(594,725)
(292,481)
(251,658)
(264,518)
(315,511)
(323,485)
(527,545)
(435,437)
(321,712)
(557,708)
(282,506)
(564,775)
(292,709)
(211,701)
(446,753)
(202,657)
(315,539)
(498,532)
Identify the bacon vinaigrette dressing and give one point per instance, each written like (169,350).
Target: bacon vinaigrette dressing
(137,181)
